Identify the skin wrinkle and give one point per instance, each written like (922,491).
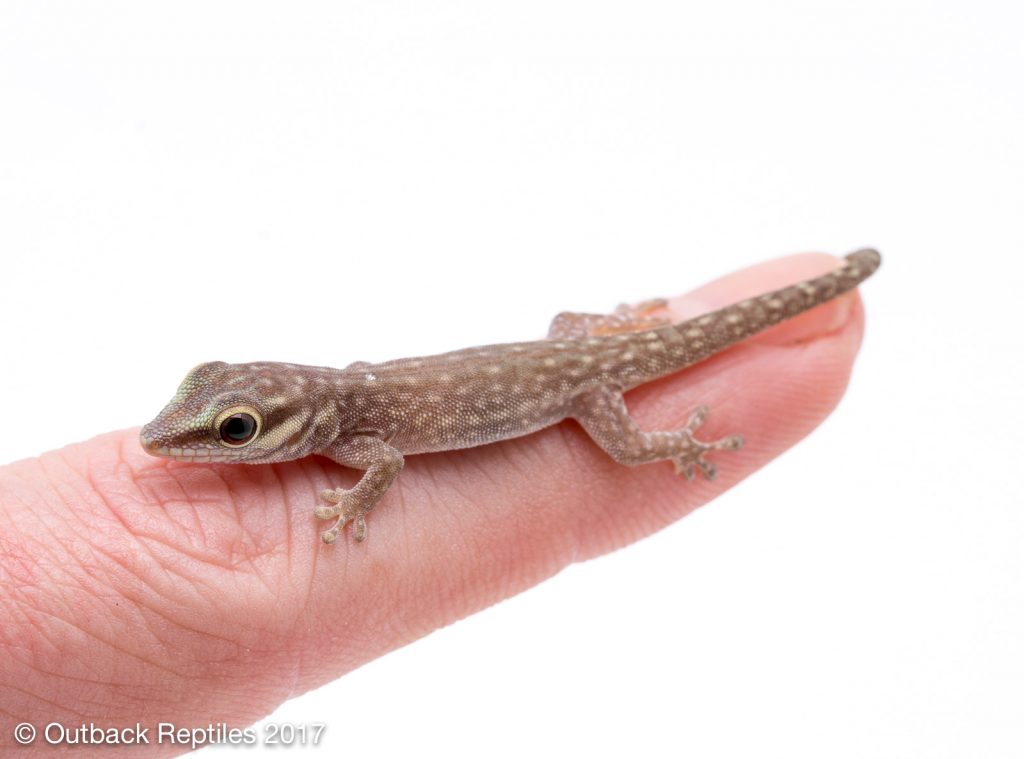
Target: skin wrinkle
(595,477)
(201,551)
(89,680)
(497,544)
(150,486)
(29,603)
(253,497)
(67,500)
(198,528)
(228,502)
(405,538)
(180,623)
(146,574)
(506,539)
(136,542)
(26,650)
(18,563)
(114,513)
(121,650)
(277,485)
(138,598)
(492,542)
(54,706)
(77,691)
(203,635)
(44,622)
(528,461)
(472,472)
(492,530)
(59,611)
(115,569)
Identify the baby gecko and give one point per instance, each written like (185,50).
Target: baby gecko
(370,416)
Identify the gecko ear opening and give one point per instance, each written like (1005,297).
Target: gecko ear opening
(238,426)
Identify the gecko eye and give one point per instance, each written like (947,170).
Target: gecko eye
(238,426)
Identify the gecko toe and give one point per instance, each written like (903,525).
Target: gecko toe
(709,470)
(359,528)
(685,468)
(697,418)
(332,495)
(326,512)
(732,443)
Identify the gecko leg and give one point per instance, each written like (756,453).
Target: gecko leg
(381,464)
(625,318)
(602,413)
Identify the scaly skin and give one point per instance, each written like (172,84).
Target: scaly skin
(369,416)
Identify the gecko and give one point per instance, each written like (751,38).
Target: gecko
(369,416)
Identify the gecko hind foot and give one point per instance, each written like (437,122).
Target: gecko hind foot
(643,310)
(604,416)
(345,513)
(693,458)
(624,319)
(634,318)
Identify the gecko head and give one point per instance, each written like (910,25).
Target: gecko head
(235,413)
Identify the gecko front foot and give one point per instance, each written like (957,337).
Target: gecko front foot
(694,454)
(346,511)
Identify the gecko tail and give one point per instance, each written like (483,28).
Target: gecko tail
(733,323)
(695,339)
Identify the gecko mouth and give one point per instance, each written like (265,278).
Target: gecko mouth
(201,455)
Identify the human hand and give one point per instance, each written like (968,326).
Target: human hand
(135,589)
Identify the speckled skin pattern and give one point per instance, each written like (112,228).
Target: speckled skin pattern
(369,416)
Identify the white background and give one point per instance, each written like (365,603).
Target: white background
(325,182)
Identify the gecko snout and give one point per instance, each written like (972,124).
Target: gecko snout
(146,440)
